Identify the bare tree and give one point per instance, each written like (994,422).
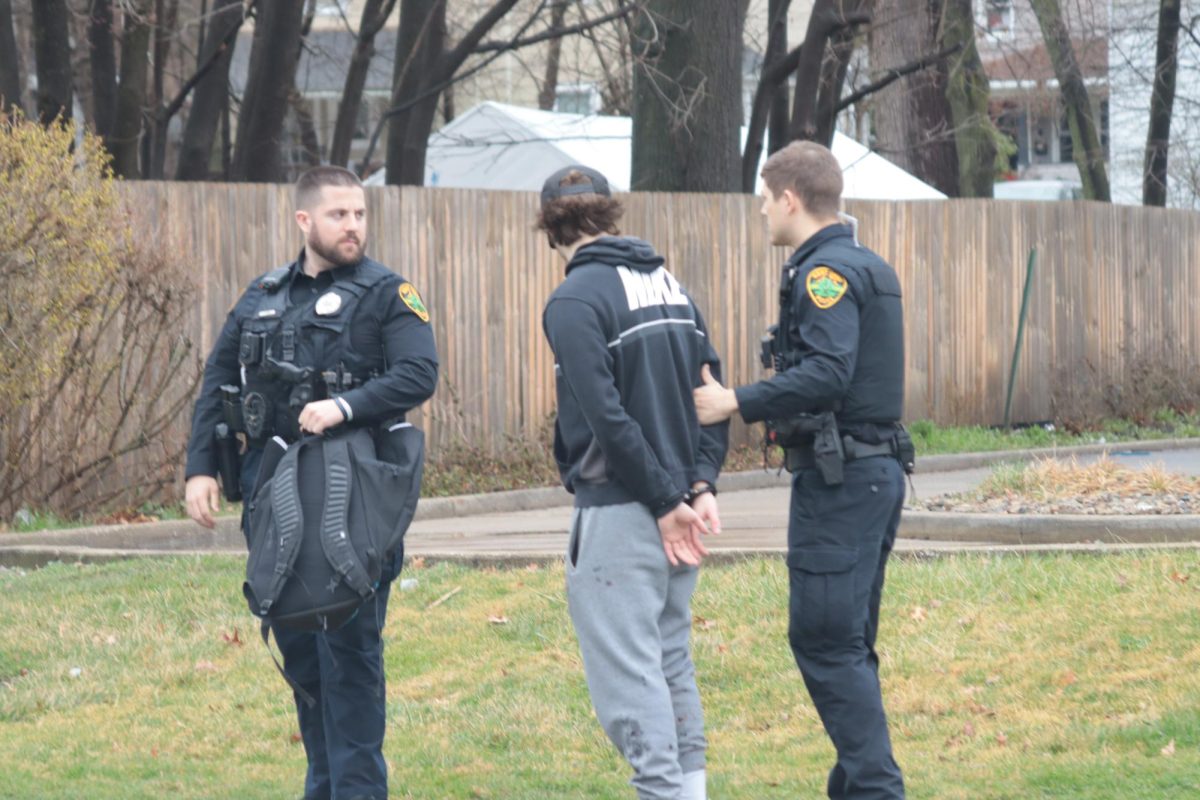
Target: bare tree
(769,110)
(1089,155)
(968,91)
(131,93)
(273,56)
(10,65)
(1162,100)
(375,15)
(103,57)
(687,98)
(211,96)
(52,48)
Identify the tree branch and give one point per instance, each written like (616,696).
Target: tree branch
(892,75)
(555,33)
(480,29)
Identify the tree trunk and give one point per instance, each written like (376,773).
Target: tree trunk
(10,64)
(770,106)
(687,97)
(833,78)
(780,104)
(1089,155)
(1162,100)
(52,49)
(913,117)
(211,96)
(165,17)
(131,93)
(258,144)
(967,90)
(375,14)
(549,92)
(309,140)
(420,45)
(103,56)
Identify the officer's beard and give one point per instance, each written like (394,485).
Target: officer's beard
(336,255)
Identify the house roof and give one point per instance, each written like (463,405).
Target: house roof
(1032,64)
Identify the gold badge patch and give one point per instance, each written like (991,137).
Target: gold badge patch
(408,294)
(825,287)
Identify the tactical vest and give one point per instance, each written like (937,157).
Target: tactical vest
(876,392)
(291,355)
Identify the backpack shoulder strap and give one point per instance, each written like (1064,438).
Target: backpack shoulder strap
(335,520)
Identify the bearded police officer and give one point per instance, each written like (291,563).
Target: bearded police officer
(834,403)
(332,339)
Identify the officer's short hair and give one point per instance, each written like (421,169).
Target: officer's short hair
(310,184)
(565,217)
(811,171)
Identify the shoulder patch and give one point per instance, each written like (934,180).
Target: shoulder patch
(825,287)
(408,294)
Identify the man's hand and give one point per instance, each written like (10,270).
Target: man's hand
(705,505)
(681,529)
(714,403)
(203,499)
(320,416)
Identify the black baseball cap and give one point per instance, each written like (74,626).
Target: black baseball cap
(596,184)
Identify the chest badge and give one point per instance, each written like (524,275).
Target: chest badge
(825,287)
(408,294)
(328,304)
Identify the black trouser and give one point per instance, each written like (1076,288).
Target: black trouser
(839,540)
(343,673)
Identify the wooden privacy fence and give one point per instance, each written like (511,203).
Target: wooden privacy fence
(1112,285)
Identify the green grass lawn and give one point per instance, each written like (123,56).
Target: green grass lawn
(1005,677)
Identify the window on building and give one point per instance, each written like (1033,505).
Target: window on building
(576,98)
(998,16)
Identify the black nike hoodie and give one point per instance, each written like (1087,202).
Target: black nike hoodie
(628,345)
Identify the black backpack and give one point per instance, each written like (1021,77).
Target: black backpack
(328,514)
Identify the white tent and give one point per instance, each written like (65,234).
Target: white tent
(498,146)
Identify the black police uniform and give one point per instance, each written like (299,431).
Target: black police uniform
(360,333)
(841,333)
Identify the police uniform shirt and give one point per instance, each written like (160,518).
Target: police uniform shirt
(846,325)
(389,325)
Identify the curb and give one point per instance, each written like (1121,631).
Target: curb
(184,537)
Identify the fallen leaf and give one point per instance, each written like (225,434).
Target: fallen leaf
(1068,678)
(533,567)
(497,619)
(1122,580)
(1169,750)
(1001,739)
(110,639)
(297,738)
(417,563)
(935,603)
(919,614)
(236,639)
(722,648)
(24,672)
(702,623)
(969,730)
(205,666)
(1179,577)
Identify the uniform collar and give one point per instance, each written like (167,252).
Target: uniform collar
(340,273)
(827,234)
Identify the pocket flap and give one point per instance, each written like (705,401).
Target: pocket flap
(823,559)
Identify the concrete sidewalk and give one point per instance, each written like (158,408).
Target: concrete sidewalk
(532,524)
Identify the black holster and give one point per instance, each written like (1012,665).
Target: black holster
(229,466)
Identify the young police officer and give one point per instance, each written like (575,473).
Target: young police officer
(332,339)
(839,359)
(629,345)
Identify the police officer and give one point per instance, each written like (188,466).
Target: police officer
(839,362)
(332,339)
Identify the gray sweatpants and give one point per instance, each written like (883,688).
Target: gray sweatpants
(630,611)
